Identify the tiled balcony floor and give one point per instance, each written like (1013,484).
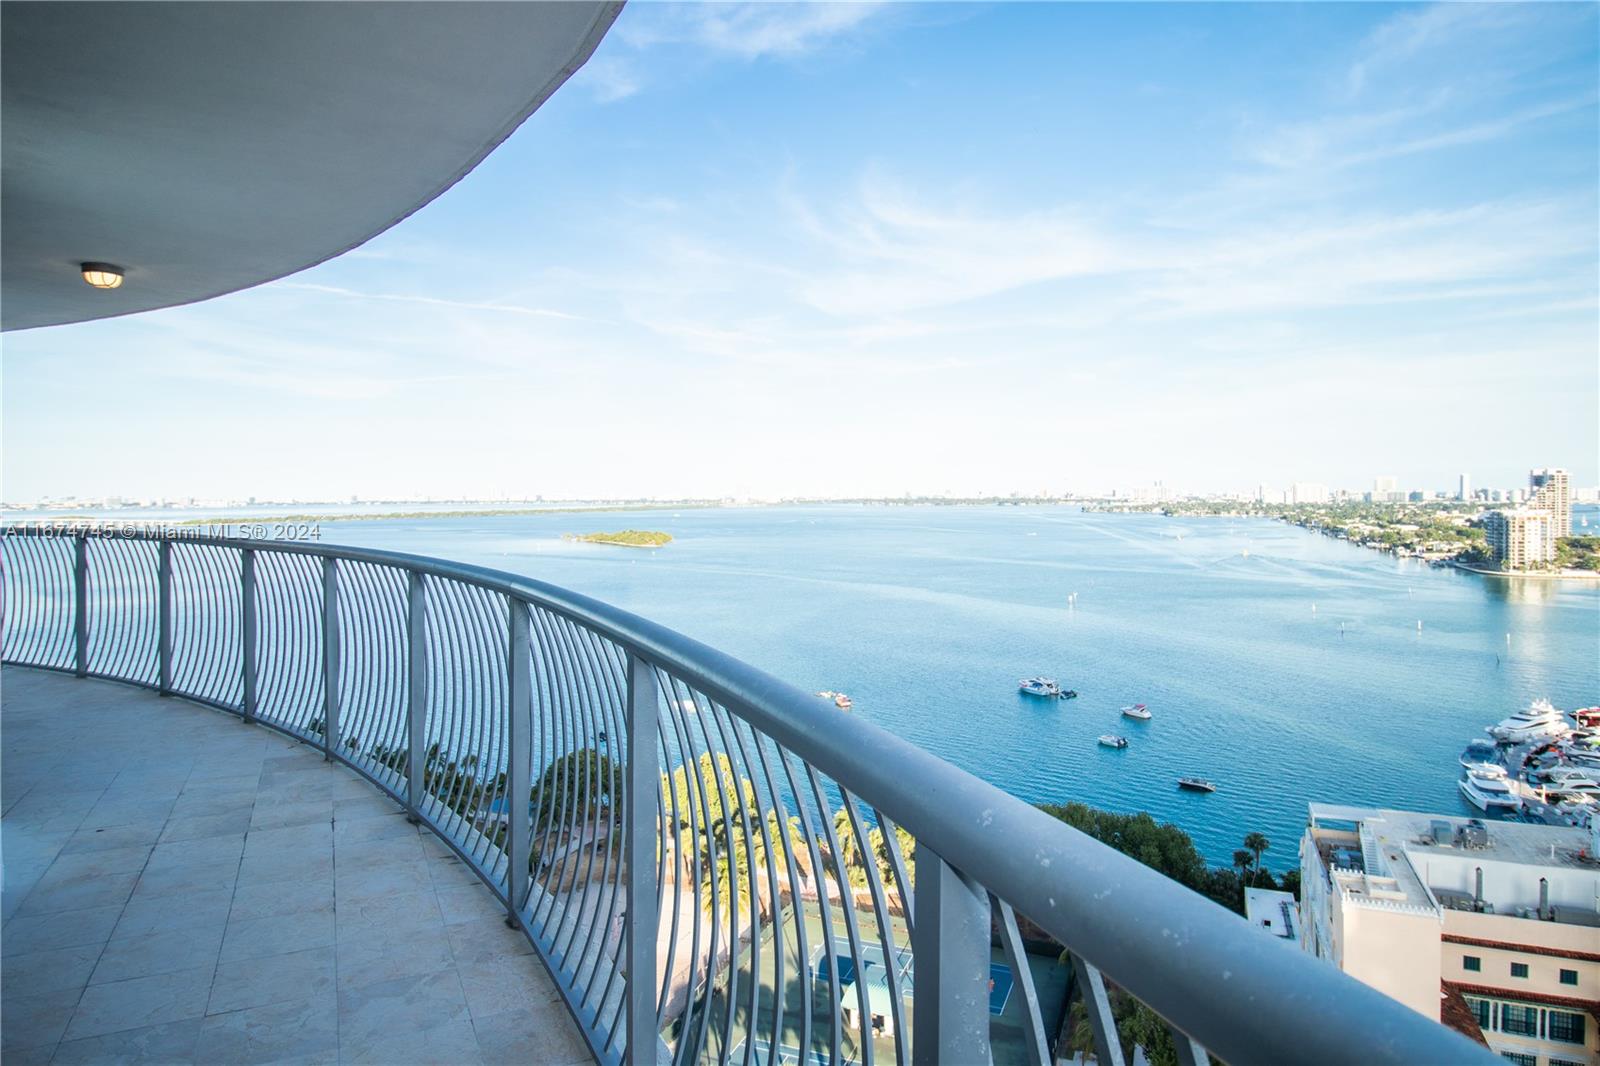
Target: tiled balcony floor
(182,887)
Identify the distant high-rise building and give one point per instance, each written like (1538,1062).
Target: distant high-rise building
(1551,490)
(1464,488)
(1308,492)
(1521,537)
(1386,489)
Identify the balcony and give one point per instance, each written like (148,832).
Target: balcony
(431,752)
(183,889)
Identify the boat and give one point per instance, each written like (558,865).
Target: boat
(1137,710)
(1574,786)
(1489,790)
(1110,740)
(1540,719)
(1480,752)
(1196,784)
(1587,717)
(1554,776)
(840,700)
(1069,693)
(1039,686)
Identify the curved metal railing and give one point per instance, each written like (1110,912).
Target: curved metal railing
(796,884)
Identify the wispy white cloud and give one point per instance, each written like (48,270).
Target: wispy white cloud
(748,30)
(1403,37)
(1354,139)
(436,301)
(610,77)
(896,254)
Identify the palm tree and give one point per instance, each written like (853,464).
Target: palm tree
(1241,862)
(1257,843)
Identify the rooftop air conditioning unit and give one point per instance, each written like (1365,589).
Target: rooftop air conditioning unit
(1475,835)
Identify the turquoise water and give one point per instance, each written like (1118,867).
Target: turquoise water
(927,617)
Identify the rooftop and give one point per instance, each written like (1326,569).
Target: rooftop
(1273,911)
(1433,860)
(181,887)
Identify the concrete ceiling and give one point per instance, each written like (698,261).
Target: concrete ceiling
(209,147)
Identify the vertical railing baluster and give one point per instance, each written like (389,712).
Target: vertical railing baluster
(1033,1037)
(164,617)
(416,690)
(950,943)
(1190,1053)
(247,631)
(1097,1005)
(80,605)
(519,768)
(330,657)
(639,809)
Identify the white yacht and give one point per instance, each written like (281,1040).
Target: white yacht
(1575,786)
(1480,752)
(1039,686)
(1137,710)
(1551,776)
(1539,721)
(1489,790)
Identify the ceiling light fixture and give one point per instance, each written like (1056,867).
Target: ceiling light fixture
(102,275)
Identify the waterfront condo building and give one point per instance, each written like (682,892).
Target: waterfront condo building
(1551,490)
(1521,537)
(1492,928)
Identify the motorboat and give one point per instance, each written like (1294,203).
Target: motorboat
(1539,720)
(1039,686)
(840,700)
(1196,784)
(1574,786)
(1109,740)
(1551,776)
(1489,790)
(1480,752)
(1137,710)
(1587,717)
(1069,694)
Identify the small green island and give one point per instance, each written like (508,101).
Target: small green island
(626,538)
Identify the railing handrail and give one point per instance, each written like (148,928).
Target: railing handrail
(1190,960)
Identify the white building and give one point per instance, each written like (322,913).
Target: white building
(1308,492)
(1521,537)
(1550,490)
(1492,928)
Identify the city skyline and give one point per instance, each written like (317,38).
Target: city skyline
(865,250)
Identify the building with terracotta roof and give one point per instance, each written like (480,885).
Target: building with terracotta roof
(1493,928)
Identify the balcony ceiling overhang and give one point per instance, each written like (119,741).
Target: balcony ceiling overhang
(209,147)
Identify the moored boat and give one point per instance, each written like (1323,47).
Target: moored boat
(1196,784)
(1489,790)
(1137,710)
(1110,740)
(1480,752)
(1039,686)
(1538,721)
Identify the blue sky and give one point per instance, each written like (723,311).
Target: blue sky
(851,249)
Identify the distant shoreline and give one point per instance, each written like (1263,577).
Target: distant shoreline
(1534,575)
